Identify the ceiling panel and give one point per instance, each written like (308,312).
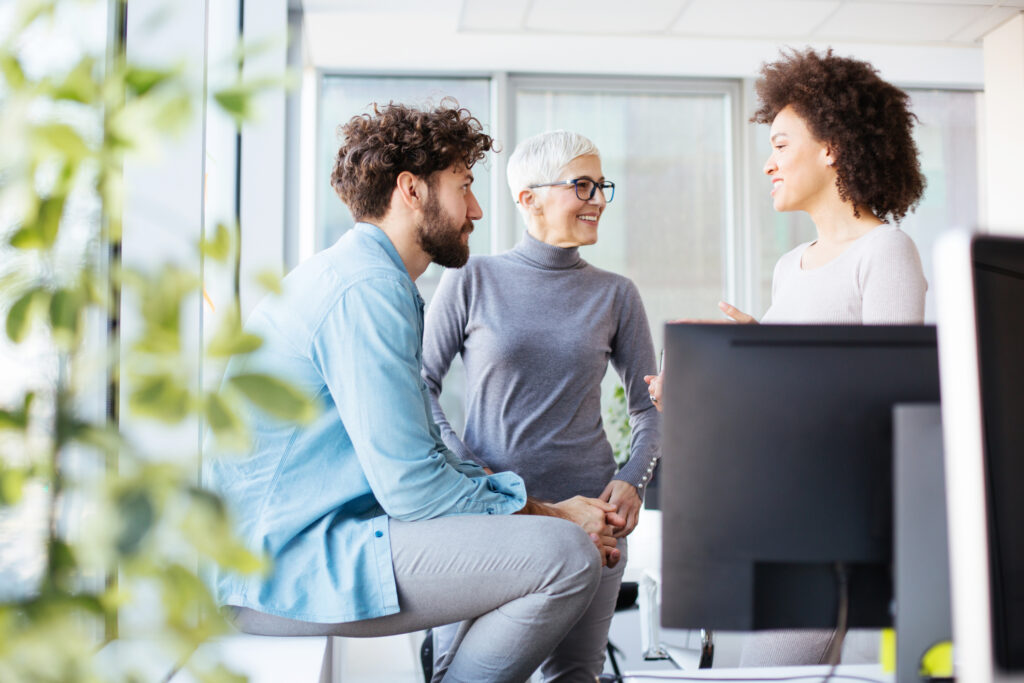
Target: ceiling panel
(378,7)
(603,16)
(986,3)
(754,18)
(976,30)
(899,22)
(487,15)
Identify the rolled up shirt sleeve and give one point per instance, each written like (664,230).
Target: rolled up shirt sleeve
(369,350)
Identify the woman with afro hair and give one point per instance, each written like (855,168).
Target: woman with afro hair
(843,151)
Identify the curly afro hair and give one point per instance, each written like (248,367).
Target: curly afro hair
(864,119)
(395,138)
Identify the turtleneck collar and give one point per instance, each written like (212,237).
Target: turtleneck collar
(547,255)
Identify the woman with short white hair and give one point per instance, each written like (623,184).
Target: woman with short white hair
(536,328)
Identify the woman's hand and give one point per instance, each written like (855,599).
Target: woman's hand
(626,500)
(595,516)
(736,314)
(654,389)
(599,519)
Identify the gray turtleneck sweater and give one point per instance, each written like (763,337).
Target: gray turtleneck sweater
(536,327)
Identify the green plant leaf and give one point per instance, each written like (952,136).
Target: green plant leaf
(65,313)
(12,72)
(17,419)
(221,674)
(275,397)
(208,527)
(137,514)
(30,11)
(104,438)
(227,427)
(79,85)
(270,280)
(140,80)
(10,420)
(161,397)
(62,140)
(42,232)
(231,339)
(12,486)
(62,563)
(217,247)
(236,101)
(23,313)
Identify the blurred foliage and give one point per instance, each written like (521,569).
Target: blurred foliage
(120,523)
(617,425)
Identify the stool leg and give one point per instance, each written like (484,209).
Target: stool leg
(611,658)
(427,656)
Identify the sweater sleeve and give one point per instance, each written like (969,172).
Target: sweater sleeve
(444,334)
(892,282)
(633,357)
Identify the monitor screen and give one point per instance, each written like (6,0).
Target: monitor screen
(778,466)
(981,316)
(999,296)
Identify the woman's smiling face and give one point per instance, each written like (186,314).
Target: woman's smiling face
(561,218)
(800,165)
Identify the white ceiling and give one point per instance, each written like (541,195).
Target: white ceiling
(893,22)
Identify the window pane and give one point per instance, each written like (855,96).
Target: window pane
(947,137)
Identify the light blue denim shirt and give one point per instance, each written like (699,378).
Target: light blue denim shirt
(316,500)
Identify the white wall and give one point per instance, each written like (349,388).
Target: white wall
(1004,126)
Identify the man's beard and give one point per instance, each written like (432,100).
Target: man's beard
(441,237)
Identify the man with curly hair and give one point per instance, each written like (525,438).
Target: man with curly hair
(373,526)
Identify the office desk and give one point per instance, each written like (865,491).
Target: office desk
(845,673)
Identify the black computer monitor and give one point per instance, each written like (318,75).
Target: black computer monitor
(981,329)
(778,465)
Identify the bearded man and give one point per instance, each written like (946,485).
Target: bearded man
(372,525)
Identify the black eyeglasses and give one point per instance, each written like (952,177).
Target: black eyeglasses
(585,188)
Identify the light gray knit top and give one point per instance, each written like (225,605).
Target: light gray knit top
(877,280)
(536,327)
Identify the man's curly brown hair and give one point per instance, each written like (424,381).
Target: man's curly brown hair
(864,119)
(395,138)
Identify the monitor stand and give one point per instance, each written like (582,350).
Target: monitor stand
(921,548)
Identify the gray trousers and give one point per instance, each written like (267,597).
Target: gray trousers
(518,582)
(580,656)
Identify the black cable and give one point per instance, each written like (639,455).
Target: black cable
(843,589)
(836,646)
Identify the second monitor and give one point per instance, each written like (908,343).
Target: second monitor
(777,475)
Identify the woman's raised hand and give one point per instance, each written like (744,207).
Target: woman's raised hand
(735,314)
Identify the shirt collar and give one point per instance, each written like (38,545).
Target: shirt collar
(378,235)
(382,239)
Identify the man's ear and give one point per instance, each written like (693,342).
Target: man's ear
(528,200)
(411,190)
